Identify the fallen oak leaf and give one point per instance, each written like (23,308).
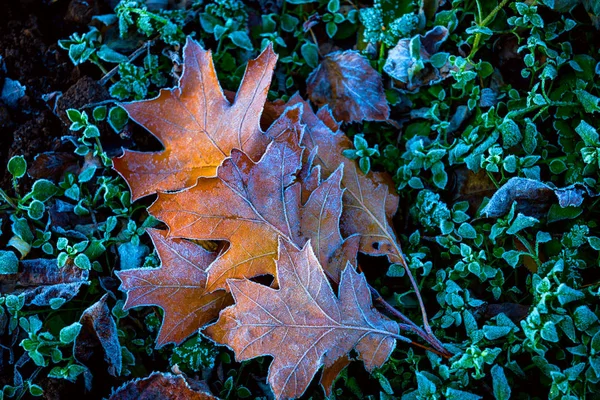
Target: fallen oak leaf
(303,325)
(369,201)
(159,385)
(350,86)
(248,204)
(196,124)
(178,287)
(251,205)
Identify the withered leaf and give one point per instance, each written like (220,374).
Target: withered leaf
(159,386)
(410,61)
(303,325)
(178,287)
(350,86)
(533,197)
(196,124)
(251,205)
(369,201)
(41,280)
(98,332)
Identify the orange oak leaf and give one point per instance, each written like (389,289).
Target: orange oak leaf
(178,287)
(251,204)
(303,325)
(248,204)
(350,86)
(196,124)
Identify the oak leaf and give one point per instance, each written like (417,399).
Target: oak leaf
(178,287)
(303,325)
(369,201)
(196,124)
(251,204)
(159,386)
(350,86)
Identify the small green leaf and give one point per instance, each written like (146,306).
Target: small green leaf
(43,190)
(36,210)
(17,166)
(83,262)
(117,118)
(91,131)
(310,53)
(500,383)
(9,263)
(241,39)
(588,101)
(520,223)
(69,333)
(588,133)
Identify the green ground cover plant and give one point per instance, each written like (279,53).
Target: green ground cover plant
(491,139)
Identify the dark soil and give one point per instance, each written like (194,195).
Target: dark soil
(29,32)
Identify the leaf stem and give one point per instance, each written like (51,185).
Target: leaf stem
(408,325)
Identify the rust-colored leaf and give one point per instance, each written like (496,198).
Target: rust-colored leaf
(350,86)
(303,325)
(196,124)
(178,287)
(159,386)
(369,201)
(251,205)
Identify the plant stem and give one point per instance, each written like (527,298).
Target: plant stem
(411,326)
(482,24)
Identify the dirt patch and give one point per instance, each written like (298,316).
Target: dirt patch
(29,53)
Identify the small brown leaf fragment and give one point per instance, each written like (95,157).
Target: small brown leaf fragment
(350,86)
(51,165)
(196,124)
(159,385)
(178,287)
(98,332)
(303,325)
(331,372)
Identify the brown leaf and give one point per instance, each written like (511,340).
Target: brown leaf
(303,325)
(350,86)
(159,385)
(196,124)
(251,205)
(369,201)
(51,165)
(331,372)
(98,332)
(178,287)
(41,280)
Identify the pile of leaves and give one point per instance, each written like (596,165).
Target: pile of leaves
(407,184)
